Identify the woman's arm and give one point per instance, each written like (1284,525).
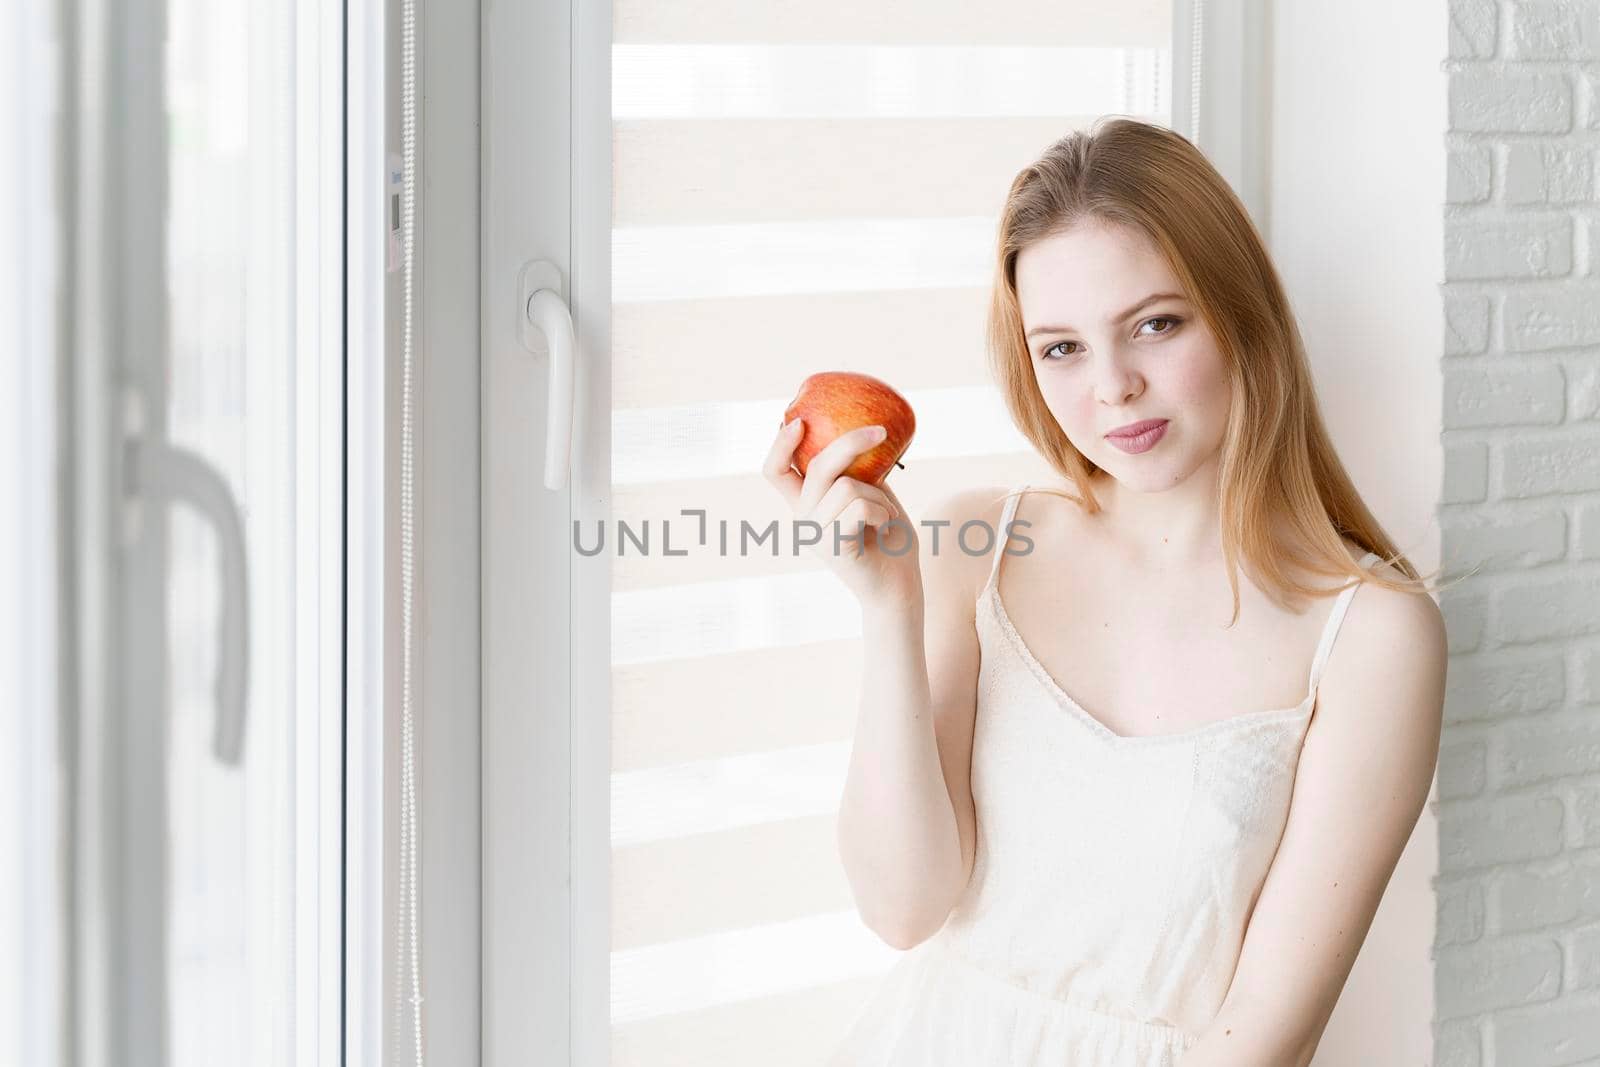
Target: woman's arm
(907,828)
(1365,771)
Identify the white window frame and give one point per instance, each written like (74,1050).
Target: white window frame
(446,577)
(447,647)
(1235,99)
(546,188)
(369,729)
(113,201)
(546,127)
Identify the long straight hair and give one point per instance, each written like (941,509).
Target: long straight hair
(1285,499)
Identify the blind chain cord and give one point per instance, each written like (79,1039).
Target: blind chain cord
(408,969)
(1196,38)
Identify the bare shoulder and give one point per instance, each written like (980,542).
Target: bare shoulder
(972,502)
(1409,614)
(948,568)
(1392,641)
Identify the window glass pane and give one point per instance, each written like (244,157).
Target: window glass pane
(795,190)
(166,182)
(244,395)
(30,769)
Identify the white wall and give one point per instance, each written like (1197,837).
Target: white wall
(1355,224)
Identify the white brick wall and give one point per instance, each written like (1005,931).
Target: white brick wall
(1517,941)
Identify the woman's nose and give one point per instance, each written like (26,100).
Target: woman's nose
(1116,380)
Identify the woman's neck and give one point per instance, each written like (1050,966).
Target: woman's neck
(1161,528)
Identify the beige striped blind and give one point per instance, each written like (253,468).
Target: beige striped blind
(797,187)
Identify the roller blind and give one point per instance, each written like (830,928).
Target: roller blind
(797,188)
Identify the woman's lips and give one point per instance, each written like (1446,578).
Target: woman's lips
(1142,440)
(1134,428)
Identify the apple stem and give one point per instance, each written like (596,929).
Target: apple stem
(897,463)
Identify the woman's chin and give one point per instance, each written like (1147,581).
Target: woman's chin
(1141,474)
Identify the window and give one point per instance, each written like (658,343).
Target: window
(252,387)
(790,190)
(176,494)
(204,649)
(791,197)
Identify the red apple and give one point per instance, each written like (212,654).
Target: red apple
(834,403)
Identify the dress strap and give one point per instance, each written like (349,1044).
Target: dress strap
(1335,618)
(1000,538)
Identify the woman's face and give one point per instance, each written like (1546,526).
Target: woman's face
(1104,357)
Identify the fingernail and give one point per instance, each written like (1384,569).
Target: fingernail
(880,433)
(791,424)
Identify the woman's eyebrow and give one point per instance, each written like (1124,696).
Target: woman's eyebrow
(1113,320)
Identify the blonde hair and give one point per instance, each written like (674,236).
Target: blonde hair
(1278,465)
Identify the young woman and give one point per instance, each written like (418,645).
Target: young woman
(1115,784)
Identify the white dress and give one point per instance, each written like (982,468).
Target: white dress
(1113,878)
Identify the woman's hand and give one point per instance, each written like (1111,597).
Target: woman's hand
(825,497)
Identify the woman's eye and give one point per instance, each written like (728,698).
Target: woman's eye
(1172,322)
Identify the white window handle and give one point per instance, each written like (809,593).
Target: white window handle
(165,473)
(546,326)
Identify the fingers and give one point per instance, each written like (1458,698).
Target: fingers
(780,459)
(824,494)
(849,502)
(826,466)
(893,498)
